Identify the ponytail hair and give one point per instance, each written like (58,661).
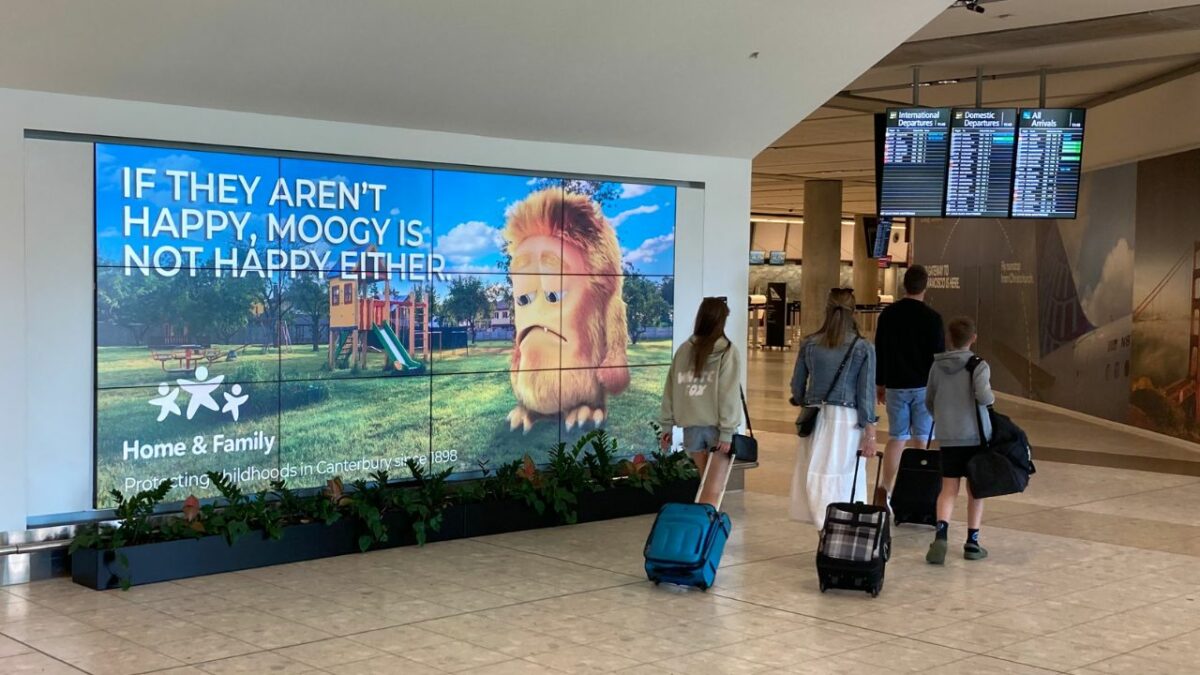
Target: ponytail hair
(839,318)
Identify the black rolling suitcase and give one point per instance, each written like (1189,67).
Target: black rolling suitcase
(918,484)
(856,543)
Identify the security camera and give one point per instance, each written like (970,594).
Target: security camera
(972,5)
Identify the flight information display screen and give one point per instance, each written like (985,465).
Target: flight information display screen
(980,176)
(913,169)
(1049,162)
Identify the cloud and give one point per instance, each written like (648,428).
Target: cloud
(468,241)
(649,250)
(501,199)
(109,166)
(1112,297)
(621,217)
(461,270)
(631,190)
(532,181)
(395,211)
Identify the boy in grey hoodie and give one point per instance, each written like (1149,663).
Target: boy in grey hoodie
(958,401)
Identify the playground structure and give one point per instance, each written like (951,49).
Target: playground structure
(358,311)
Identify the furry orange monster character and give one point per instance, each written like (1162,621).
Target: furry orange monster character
(569,316)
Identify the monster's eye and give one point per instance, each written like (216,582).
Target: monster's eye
(555,296)
(524,299)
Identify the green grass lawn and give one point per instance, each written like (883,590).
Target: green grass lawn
(134,367)
(339,416)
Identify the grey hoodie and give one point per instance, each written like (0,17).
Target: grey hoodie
(711,400)
(949,395)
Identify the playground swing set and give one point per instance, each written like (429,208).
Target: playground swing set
(357,312)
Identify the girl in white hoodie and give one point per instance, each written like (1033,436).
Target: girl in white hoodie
(703,389)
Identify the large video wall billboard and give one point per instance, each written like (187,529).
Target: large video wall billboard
(279,317)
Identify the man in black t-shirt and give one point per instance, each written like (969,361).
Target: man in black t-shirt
(908,335)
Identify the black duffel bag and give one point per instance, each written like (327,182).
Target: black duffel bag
(1004,462)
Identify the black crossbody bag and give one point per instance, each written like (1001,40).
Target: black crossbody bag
(745,446)
(807,421)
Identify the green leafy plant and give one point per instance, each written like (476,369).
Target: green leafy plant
(671,467)
(367,503)
(476,491)
(600,457)
(520,480)
(230,519)
(293,507)
(637,471)
(189,525)
(565,480)
(426,502)
(135,526)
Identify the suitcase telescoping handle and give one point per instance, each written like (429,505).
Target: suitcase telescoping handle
(854,483)
(715,457)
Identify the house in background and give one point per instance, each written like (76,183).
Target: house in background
(501,316)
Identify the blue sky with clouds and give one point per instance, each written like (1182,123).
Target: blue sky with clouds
(462,213)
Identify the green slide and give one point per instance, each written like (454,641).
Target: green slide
(395,349)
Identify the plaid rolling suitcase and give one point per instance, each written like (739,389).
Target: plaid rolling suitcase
(855,545)
(687,540)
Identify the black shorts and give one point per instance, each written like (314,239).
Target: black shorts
(954,460)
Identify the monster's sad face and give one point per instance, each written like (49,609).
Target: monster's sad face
(549,291)
(568,313)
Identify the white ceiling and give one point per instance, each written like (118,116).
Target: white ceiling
(1010,14)
(667,75)
(835,143)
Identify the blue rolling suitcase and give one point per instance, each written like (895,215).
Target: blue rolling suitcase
(687,540)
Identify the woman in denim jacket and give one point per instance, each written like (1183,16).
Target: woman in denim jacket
(846,421)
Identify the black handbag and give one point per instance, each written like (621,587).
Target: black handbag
(807,421)
(1004,463)
(745,446)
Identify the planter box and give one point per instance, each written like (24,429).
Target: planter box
(620,502)
(165,561)
(682,491)
(502,516)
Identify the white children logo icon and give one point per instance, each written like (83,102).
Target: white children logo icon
(166,401)
(234,403)
(200,395)
(201,391)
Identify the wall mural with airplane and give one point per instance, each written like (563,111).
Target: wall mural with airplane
(1100,314)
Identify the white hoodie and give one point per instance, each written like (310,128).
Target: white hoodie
(711,400)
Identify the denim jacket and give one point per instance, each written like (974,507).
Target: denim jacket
(815,367)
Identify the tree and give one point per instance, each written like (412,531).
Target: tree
(498,293)
(667,290)
(601,192)
(134,302)
(466,302)
(644,305)
(308,296)
(211,309)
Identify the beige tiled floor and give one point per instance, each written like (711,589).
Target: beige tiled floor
(1093,570)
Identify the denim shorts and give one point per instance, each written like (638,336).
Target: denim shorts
(700,439)
(907,415)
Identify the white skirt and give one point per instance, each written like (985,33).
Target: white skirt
(825,465)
